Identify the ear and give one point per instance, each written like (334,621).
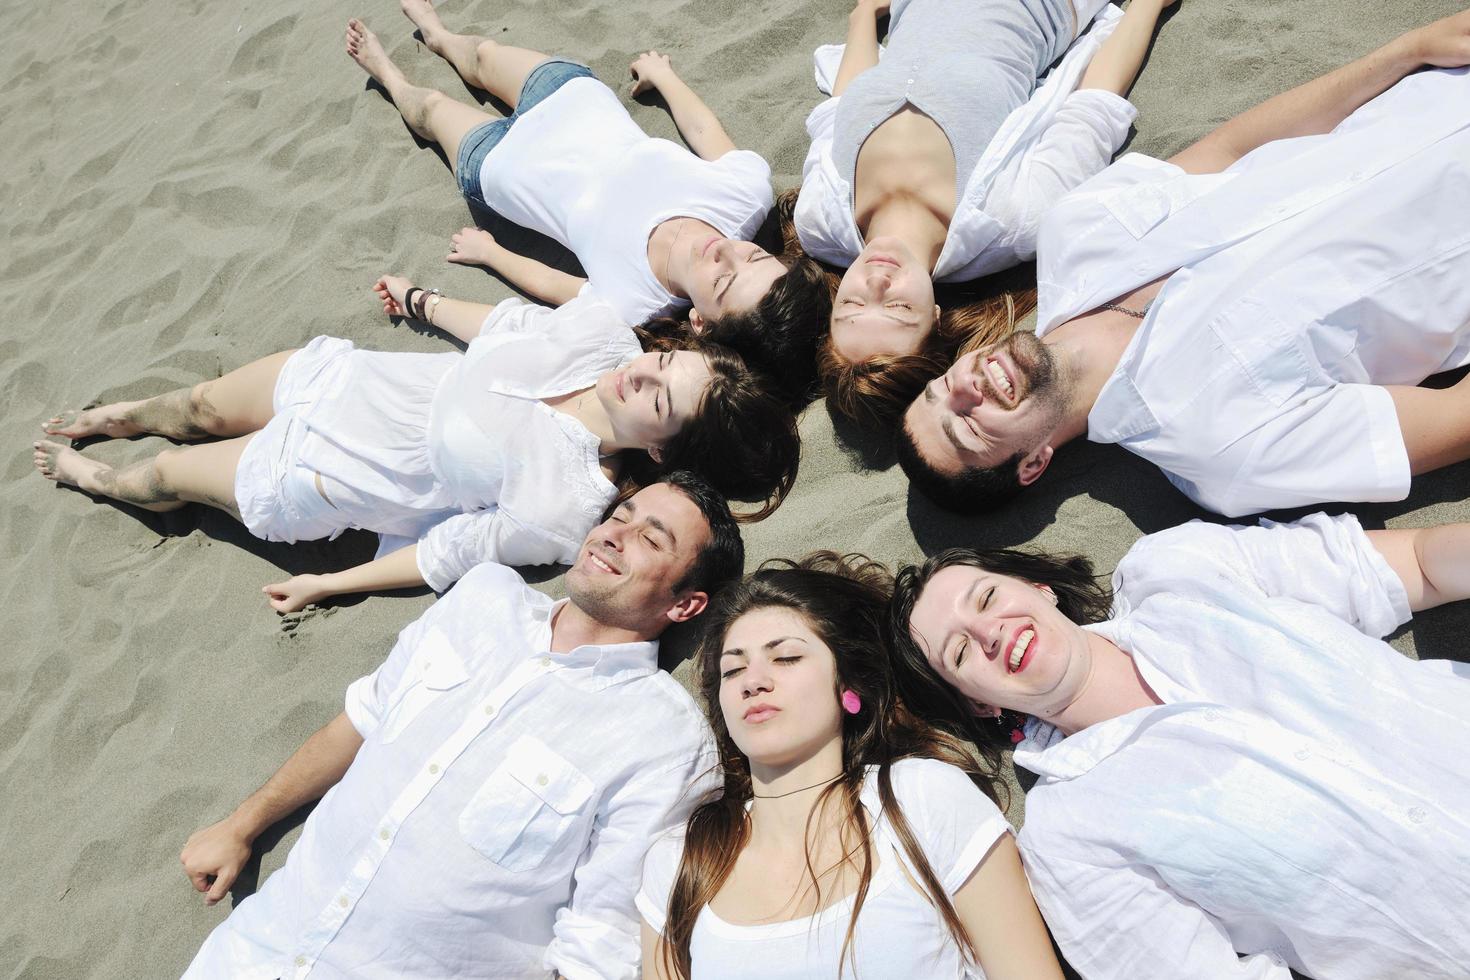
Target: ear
(1048,590)
(696,322)
(655,453)
(937,314)
(984,710)
(688,607)
(1030,469)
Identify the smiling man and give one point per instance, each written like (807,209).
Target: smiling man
(1253,315)
(491,789)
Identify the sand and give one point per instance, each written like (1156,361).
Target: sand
(187,187)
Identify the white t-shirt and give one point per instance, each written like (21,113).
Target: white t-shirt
(577,168)
(898,934)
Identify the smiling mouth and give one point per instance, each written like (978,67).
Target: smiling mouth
(618,384)
(999,379)
(1019,648)
(600,565)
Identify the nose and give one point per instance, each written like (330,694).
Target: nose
(878,282)
(755,679)
(966,393)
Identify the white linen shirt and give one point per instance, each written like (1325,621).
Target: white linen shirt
(1302,796)
(526,476)
(1310,274)
(577,168)
(898,935)
(1047,146)
(495,819)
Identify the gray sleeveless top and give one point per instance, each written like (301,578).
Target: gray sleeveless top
(964,63)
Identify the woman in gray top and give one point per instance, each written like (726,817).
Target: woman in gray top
(936,163)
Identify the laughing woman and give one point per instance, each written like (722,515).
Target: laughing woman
(935,164)
(1237,777)
(508,452)
(851,839)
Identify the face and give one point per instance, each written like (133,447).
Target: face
(989,406)
(629,564)
(728,276)
(1000,641)
(778,688)
(649,399)
(884,304)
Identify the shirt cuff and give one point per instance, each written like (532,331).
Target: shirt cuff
(361,705)
(974,853)
(1105,104)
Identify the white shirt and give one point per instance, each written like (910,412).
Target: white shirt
(899,935)
(1047,146)
(495,818)
(1303,794)
(577,168)
(1311,273)
(527,476)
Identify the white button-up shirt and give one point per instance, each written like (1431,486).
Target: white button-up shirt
(1310,274)
(1302,796)
(495,819)
(1048,145)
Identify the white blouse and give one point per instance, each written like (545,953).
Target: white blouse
(577,168)
(526,476)
(1302,796)
(898,934)
(1047,146)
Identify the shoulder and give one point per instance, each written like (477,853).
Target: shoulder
(922,786)
(682,726)
(953,822)
(488,582)
(660,868)
(745,163)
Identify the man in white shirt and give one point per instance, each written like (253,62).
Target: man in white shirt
(1252,315)
(491,789)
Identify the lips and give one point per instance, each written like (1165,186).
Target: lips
(708,245)
(1021,650)
(757,713)
(599,564)
(618,380)
(999,375)
(882,260)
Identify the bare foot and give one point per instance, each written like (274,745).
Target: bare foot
(367,51)
(424,17)
(105,420)
(65,465)
(471,246)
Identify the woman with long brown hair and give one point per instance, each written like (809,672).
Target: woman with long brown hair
(850,836)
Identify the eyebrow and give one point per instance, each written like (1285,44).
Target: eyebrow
(768,645)
(735,274)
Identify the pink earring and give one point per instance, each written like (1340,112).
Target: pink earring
(851,703)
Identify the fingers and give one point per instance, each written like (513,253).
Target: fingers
(459,258)
(221,887)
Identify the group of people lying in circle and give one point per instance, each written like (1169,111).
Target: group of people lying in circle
(1236,775)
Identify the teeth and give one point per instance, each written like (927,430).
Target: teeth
(998,375)
(600,563)
(1018,652)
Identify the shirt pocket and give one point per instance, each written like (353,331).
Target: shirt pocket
(436,669)
(528,807)
(1266,350)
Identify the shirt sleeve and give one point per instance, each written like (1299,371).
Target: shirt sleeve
(1120,923)
(368,698)
(660,866)
(1325,561)
(596,934)
(454,546)
(954,823)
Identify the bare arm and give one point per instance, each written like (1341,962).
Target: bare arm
(474,246)
(696,121)
(455,317)
(1115,66)
(1435,423)
(1432,562)
(398,570)
(860,51)
(653,955)
(1320,105)
(1000,915)
(213,857)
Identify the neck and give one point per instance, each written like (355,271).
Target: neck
(668,260)
(777,811)
(1086,358)
(1113,688)
(587,408)
(911,222)
(572,627)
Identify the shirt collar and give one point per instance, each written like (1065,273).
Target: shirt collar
(1120,412)
(612,663)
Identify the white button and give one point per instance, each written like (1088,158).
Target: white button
(342,901)
(433,768)
(1302,754)
(546,661)
(911,81)
(490,710)
(301,961)
(541,779)
(1417,814)
(383,834)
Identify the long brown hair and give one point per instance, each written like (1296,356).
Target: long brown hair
(844,599)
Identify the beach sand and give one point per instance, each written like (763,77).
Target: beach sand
(190,186)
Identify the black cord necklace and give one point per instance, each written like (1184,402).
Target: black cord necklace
(777,796)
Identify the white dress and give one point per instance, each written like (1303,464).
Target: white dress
(458,452)
(577,168)
(898,935)
(1301,797)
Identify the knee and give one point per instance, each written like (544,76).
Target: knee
(166,470)
(203,418)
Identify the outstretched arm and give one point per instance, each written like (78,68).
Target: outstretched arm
(1432,562)
(1435,424)
(475,246)
(1115,66)
(213,857)
(398,570)
(1319,105)
(698,124)
(860,50)
(455,317)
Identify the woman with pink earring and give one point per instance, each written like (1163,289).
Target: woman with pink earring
(851,838)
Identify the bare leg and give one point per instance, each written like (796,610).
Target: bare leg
(428,112)
(499,69)
(190,474)
(233,405)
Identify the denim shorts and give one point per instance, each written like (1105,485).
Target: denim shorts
(544,79)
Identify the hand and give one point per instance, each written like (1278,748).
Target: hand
(296,593)
(1443,44)
(391,290)
(213,857)
(649,69)
(471,246)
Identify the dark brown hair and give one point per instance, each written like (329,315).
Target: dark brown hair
(844,599)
